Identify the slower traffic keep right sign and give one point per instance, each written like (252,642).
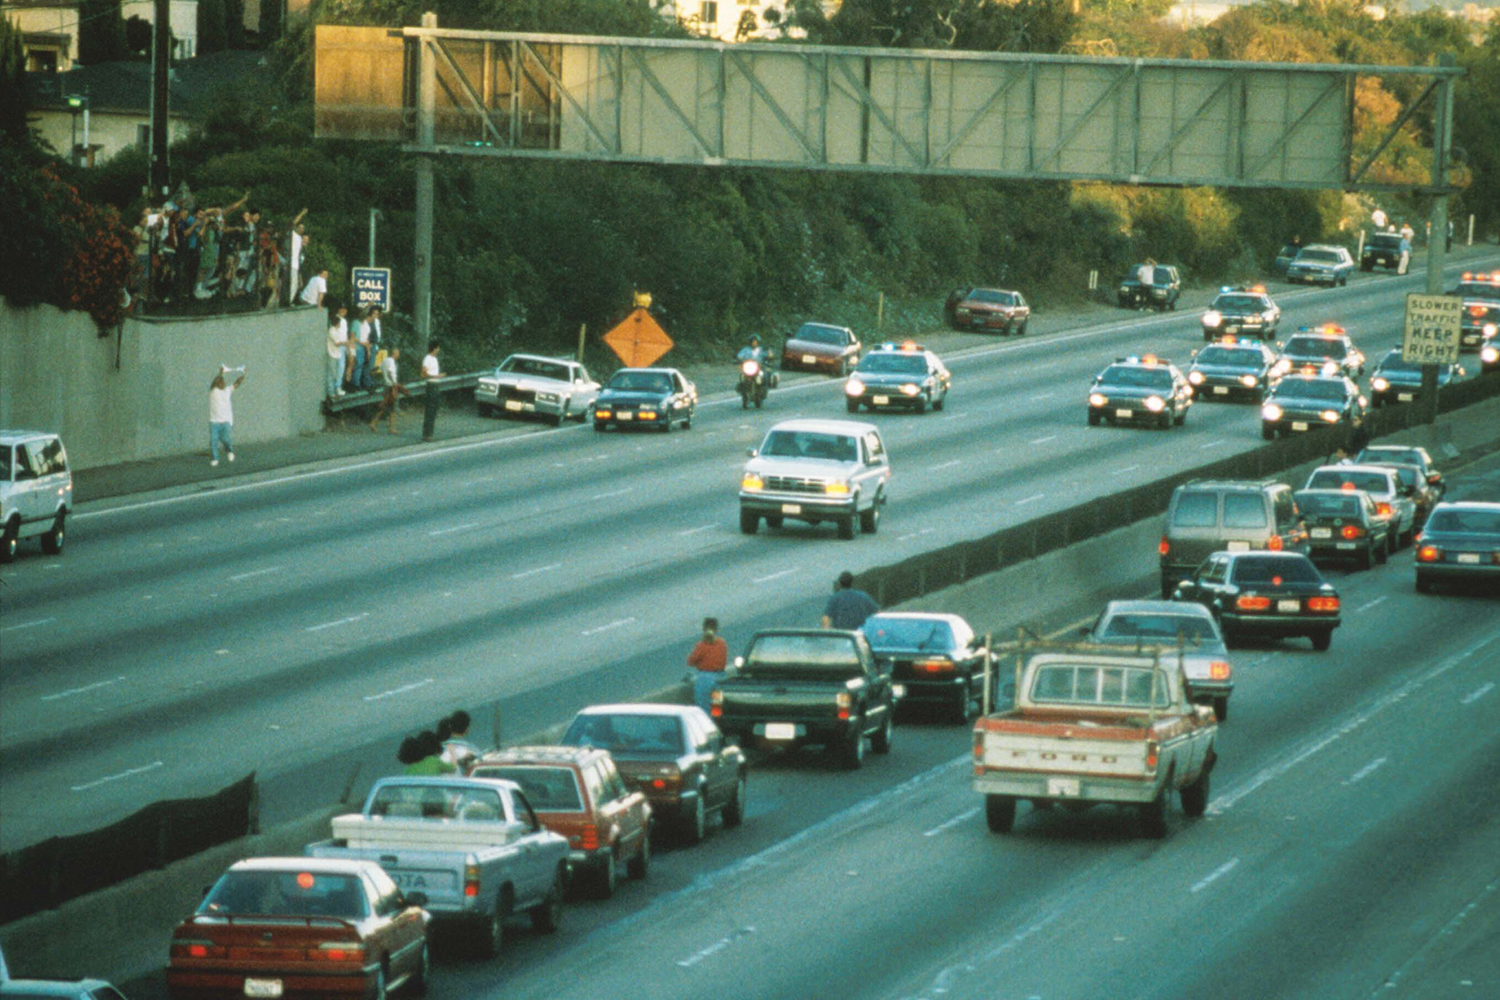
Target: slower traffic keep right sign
(1432,333)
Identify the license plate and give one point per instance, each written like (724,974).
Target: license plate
(1299,425)
(1063,787)
(809,359)
(1405,397)
(1346,545)
(1291,607)
(262,987)
(1123,413)
(1237,546)
(898,690)
(781,731)
(1231,329)
(1221,390)
(1322,532)
(791,508)
(1468,557)
(882,400)
(624,416)
(511,404)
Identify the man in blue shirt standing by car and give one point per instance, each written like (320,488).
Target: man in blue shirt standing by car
(848,608)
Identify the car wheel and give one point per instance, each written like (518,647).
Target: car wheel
(1382,553)
(1021,330)
(606,877)
(485,409)
(1424,585)
(964,707)
(999,813)
(1164,421)
(598,427)
(640,866)
(417,985)
(52,541)
(695,823)
(744,400)
(869,520)
(1093,419)
(489,938)
(666,425)
(940,402)
(734,809)
(749,522)
(12,540)
(1221,707)
(852,405)
(1154,814)
(921,406)
(687,422)
(1180,418)
(846,526)
(378,992)
(1322,640)
(880,742)
(773,520)
(1195,796)
(1391,545)
(562,414)
(1367,558)
(1268,432)
(546,916)
(852,751)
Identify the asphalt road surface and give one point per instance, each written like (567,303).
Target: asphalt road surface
(298,625)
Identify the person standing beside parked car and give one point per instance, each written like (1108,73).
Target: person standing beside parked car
(848,608)
(708,659)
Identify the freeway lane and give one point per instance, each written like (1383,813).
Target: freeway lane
(181,643)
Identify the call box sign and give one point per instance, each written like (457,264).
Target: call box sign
(1433,328)
(372,287)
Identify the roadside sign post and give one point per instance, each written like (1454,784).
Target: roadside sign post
(371,286)
(1431,338)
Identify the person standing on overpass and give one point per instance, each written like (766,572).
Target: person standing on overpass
(431,371)
(848,608)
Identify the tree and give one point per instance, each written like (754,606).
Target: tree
(101,32)
(137,35)
(234,23)
(213,29)
(15,102)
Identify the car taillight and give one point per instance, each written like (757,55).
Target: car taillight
(198,949)
(1324,604)
(716,703)
(1250,602)
(1218,670)
(337,951)
(1429,553)
(1275,544)
(1352,531)
(1163,547)
(932,666)
(590,839)
(1151,755)
(844,701)
(471,880)
(1383,509)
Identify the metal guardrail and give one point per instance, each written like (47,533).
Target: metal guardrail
(372,397)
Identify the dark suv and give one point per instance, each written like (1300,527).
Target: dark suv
(1390,250)
(1226,515)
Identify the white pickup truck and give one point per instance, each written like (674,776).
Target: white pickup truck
(472,845)
(1096,725)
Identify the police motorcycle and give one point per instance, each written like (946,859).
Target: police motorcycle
(755,381)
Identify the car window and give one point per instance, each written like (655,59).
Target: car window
(889,632)
(1244,510)
(50,457)
(1149,378)
(614,785)
(550,789)
(1321,389)
(883,362)
(874,449)
(1122,686)
(1285,509)
(1164,276)
(1159,627)
(24,468)
(1247,357)
(822,335)
(1339,479)
(287,894)
(594,782)
(811,444)
(1290,569)
(1196,510)
(628,735)
(1213,571)
(1332,504)
(1482,522)
(1322,347)
(525,814)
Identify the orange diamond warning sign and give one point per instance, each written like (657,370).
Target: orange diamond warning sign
(639,340)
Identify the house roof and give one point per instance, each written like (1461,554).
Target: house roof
(125,87)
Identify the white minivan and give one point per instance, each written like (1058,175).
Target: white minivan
(36,490)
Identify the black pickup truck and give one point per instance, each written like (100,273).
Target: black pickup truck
(814,686)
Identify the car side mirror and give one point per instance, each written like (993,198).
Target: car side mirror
(750,452)
(1085,631)
(415,899)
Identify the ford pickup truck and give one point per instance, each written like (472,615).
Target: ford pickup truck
(472,846)
(801,686)
(1093,725)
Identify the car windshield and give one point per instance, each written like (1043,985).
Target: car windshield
(1238,303)
(1318,256)
(1394,362)
(810,444)
(286,894)
(907,633)
(1244,510)
(637,381)
(1196,510)
(1328,504)
(1339,479)
(1162,276)
(815,334)
(1316,347)
(1158,627)
(535,367)
(1108,686)
(830,653)
(548,789)
(1311,388)
(992,295)
(1479,522)
(1385,454)
(627,735)
(1385,241)
(1288,569)
(893,364)
(1479,289)
(1130,375)
(1239,357)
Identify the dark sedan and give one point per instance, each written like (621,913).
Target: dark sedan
(1233,369)
(1302,402)
(1142,390)
(932,657)
(1159,293)
(1460,544)
(646,397)
(821,347)
(908,376)
(1269,595)
(1479,324)
(1326,350)
(1248,310)
(1396,380)
(1344,524)
(989,310)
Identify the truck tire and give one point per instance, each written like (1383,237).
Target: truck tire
(851,752)
(847,525)
(695,823)
(52,541)
(880,742)
(1221,707)
(1322,640)
(1154,814)
(869,520)
(489,934)
(547,915)
(1000,813)
(606,877)
(733,812)
(749,522)
(417,985)
(1195,796)
(639,866)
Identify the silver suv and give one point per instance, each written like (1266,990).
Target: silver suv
(815,471)
(1226,515)
(36,490)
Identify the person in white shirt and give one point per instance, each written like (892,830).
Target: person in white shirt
(296,242)
(338,343)
(394,390)
(431,371)
(221,415)
(317,287)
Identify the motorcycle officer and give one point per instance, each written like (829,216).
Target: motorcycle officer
(753,352)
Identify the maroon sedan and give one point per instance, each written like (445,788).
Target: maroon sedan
(821,347)
(989,310)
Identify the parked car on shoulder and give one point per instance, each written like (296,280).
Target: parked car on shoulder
(815,471)
(1321,264)
(988,310)
(646,397)
(1344,524)
(1265,595)
(1187,633)
(1160,293)
(673,754)
(1206,516)
(1389,250)
(578,793)
(1460,544)
(935,660)
(821,347)
(527,384)
(36,491)
(301,927)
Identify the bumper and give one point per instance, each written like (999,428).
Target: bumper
(798,361)
(1278,625)
(1298,424)
(818,732)
(1097,790)
(185,985)
(1323,548)
(894,399)
(793,505)
(520,407)
(1225,389)
(925,691)
(984,321)
(1456,572)
(1395,394)
(1380,260)
(1313,277)
(1470,340)
(629,418)
(1128,412)
(1205,688)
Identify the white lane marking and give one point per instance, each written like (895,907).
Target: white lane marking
(533,572)
(1042,395)
(448,531)
(116,777)
(1128,468)
(1215,875)
(1211,444)
(1039,496)
(1366,771)
(605,628)
(70,692)
(1268,774)
(950,824)
(945,465)
(1043,440)
(1441,934)
(713,949)
(342,621)
(255,572)
(1477,693)
(400,690)
(694,531)
(40,621)
(1370,604)
(774,576)
(611,493)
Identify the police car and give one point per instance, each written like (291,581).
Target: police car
(1233,368)
(1396,380)
(1324,350)
(1241,310)
(1480,320)
(1302,402)
(1143,389)
(898,375)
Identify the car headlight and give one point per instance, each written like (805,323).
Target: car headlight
(488,386)
(1490,329)
(1253,320)
(1212,318)
(1281,367)
(1332,416)
(1489,355)
(1095,399)
(1270,317)
(1249,381)
(1155,404)
(1330,368)
(752,482)
(1195,377)
(854,387)
(909,389)
(1379,384)
(750,369)
(837,488)
(546,397)
(1271,411)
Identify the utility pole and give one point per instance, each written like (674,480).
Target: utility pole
(1437,240)
(161,61)
(426,142)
